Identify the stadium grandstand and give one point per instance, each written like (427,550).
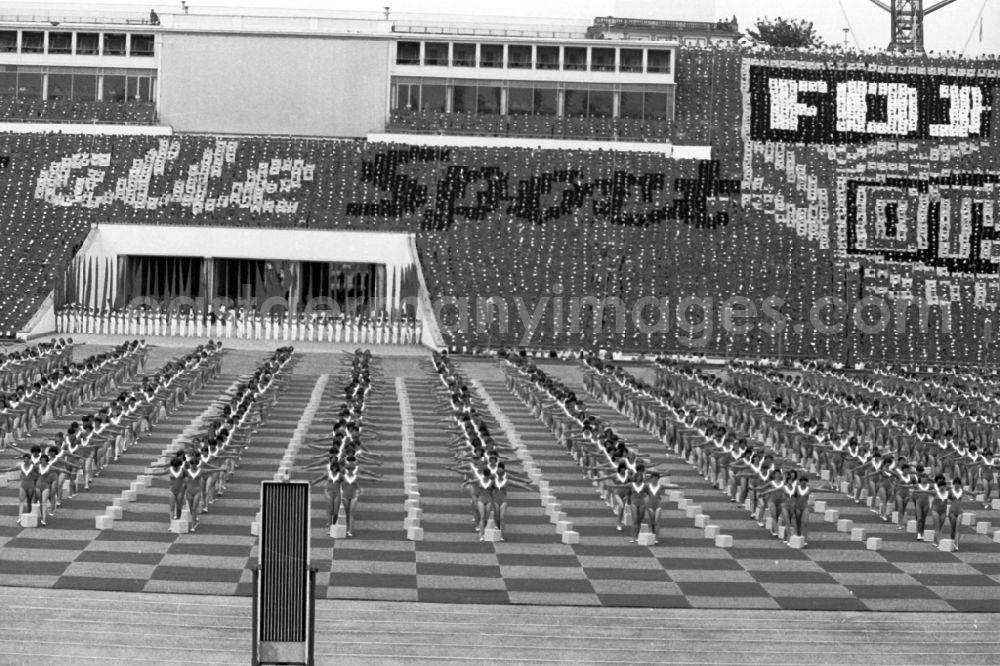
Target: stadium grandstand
(624,314)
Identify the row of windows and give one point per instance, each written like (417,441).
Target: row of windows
(79,43)
(77,83)
(535,56)
(636,102)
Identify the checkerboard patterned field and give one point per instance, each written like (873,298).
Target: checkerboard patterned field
(450,564)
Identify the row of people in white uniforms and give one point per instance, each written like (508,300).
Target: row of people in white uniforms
(314,327)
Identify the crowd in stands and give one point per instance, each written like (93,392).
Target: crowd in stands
(37,110)
(537,229)
(598,128)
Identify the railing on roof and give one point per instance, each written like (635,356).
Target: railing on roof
(487,32)
(56,20)
(42,120)
(657,24)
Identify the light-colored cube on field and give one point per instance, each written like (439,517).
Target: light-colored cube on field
(415,513)
(491,534)
(338,531)
(946,545)
(724,541)
(570,537)
(911,526)
(692,510)
(712,531)
(895,518)
(647,539)
(929,536)
(831,515)
(701,520)
(180,526)
(995,505)
(857,534)
(255,528)
(845,525)
(996,536)
(415,534)
(796,542)
(820,506)
(104,522)
(845,488)
(675,495)
(556,517)
(563,526)
(874,543)
(983,527)
(825,475)
(410,522)
(115,512)
(968,518)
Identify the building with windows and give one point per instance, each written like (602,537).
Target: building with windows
(56,60)
(337,74)
(533,76)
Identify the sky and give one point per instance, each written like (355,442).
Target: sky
(948,29)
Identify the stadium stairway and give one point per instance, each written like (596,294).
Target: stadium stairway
(111,628)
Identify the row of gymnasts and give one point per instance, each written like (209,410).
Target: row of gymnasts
(953,448)
(478,457)
(747,471)
(197,473)
(66,387)
(633,487)
(85,448)
(345,448)
(27,365)
(889,479)
(917,468)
